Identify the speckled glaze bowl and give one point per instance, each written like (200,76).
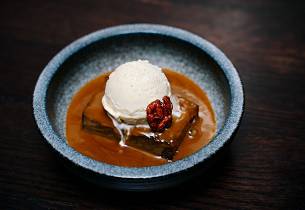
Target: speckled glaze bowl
(102,51)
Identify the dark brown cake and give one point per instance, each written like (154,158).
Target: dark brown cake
(163,144)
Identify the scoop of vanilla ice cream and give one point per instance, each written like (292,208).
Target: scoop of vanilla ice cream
(131,87)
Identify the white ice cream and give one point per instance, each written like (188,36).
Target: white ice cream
(131,87)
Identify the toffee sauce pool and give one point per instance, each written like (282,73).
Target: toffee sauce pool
(111,152)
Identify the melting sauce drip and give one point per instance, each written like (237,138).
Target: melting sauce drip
(109,151)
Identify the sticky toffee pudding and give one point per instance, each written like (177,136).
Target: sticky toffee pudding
(175,126)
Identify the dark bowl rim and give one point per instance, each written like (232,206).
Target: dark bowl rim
(60,145)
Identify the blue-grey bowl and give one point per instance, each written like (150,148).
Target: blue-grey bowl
(102,51)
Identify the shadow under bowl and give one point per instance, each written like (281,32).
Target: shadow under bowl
(104,50)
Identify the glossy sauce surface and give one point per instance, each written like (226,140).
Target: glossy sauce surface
(108,151)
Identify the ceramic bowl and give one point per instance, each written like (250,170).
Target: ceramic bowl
(104,50)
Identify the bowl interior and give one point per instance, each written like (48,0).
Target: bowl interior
(105,55)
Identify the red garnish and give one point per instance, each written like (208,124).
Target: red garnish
(159,114)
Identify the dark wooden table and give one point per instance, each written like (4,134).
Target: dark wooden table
(265,168)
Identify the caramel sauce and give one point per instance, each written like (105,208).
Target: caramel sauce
(109,151)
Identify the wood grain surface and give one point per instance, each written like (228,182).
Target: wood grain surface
(265,167)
